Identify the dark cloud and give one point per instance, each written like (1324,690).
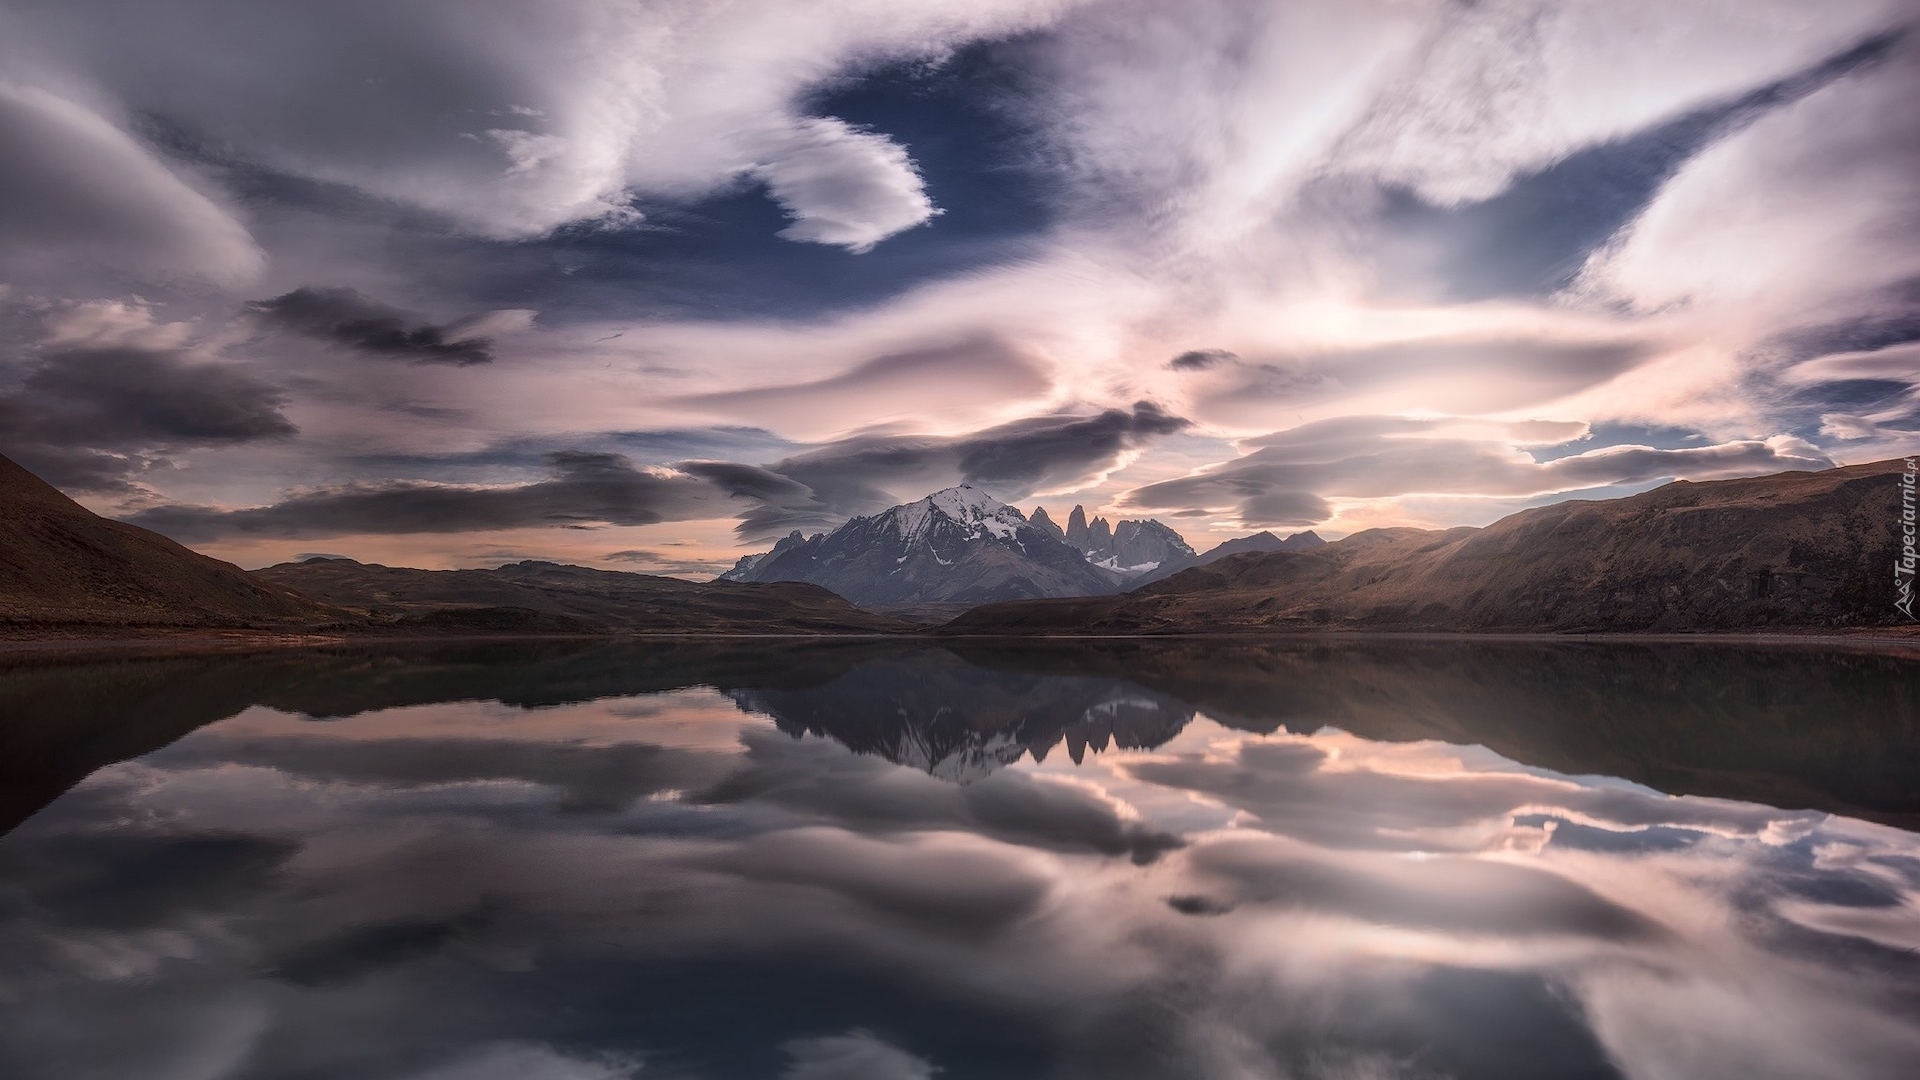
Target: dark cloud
(88,419)
(819,489)
(350,320)
(584,488)
(1200,359)
(824,487)
(117,396)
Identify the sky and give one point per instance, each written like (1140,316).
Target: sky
(646,285)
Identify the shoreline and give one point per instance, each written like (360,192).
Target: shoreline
(186,642)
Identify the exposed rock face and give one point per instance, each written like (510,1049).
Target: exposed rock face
(1041,521)
(1792,550)
(1145,546)
(544,597)
(1077,533)
(61,564)
(1099,539)
(960,545)
(1131,548)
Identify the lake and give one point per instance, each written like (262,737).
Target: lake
(1325,860)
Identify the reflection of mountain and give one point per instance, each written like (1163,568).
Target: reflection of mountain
(65,720)
(1794,727)
(939,714)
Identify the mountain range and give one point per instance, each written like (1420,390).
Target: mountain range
(962,547)
(553,598)
(66,572)
(957,546)
(1783,727)
(1798,549)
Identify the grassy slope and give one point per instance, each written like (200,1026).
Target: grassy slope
(62,565)
(1794,550)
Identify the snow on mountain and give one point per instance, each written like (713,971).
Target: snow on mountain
(959,545)
(965,504)
(1131,548)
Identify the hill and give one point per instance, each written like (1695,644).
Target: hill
(63,566)
(544,597)
(1259,542)
(1792,550)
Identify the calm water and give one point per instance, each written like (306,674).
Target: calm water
(857,862)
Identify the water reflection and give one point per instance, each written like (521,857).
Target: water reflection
(1174,861)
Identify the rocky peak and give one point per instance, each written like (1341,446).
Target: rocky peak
(1039,520)
(1077,528)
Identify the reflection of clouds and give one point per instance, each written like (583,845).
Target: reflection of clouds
(522,1061)
(857,1055)
(526,898)
(1336,789)
(696,718)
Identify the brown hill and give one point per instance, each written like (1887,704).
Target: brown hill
(548,597)
(1794,550)
(61,565)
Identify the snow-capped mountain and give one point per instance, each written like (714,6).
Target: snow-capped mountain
(960,545)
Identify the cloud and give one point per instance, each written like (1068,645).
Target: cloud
(88,418)
(1799,212)
(511,119)
(976,373)
(826,486)
(127,395)
(78,194)
(1256,215)
(585,488)
(660,562)
(845,186)
(345,318)
(1459,374)
(1291,476)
